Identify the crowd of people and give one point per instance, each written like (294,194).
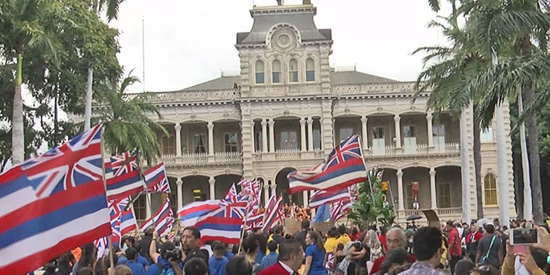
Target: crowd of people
(455,247)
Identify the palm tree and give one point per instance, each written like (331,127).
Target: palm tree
(452,68)
(21,29)
(509,29)
(128,125)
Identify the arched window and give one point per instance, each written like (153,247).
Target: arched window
(276,71)
(259,72)
(490,189)
(293,70)
(310,70)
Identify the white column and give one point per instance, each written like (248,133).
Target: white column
(273,188)
(305,198)
(271,136)
(253,136)
(400,189)
(364,131)
(210,138)
(179,186)
(303,134)
(465,166)
(310,134)
(264,136)
(397,120)
(266,192)
(177,128)
(322,128)
(502,165)
(148,206)
(212,183)
(432,188)
(429,119)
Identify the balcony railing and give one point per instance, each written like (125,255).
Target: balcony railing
(202,159)
(375,88)
(192,95)
(419,149)
(441,212)
(287,154)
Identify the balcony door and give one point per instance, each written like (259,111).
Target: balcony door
(289,140)
(409,140)
(439,137)
(378,141)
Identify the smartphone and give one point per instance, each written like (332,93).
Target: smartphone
(524,236)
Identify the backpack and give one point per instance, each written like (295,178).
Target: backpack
(167,271)
(485,258)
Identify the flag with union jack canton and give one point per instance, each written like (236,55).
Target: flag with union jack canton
(122,177)
(156,180)
(343,167)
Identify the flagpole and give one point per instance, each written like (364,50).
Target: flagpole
(102,148)
(246,218)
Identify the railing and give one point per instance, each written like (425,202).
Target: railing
(375,88)
(197,95)
(227,157)
(421,149)
(287,154)
(440,211)
(202,158)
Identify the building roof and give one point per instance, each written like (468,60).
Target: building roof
(336,78)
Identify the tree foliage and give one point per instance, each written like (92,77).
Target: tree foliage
(371,205)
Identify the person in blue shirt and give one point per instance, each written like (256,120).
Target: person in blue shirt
(270,258)
(315,255)
(217,262)
(137,268)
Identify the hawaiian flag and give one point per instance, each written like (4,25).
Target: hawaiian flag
(52,203)
(189,214)
(320,197)
(231,194)
(343,167)
(102,247)
(340,208)
(127,222)
(156,180)
(162,220)
(274,213)
(255,220)
(216,226)
(123,178)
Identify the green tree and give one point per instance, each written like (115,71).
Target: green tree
(371,205)
(128,125)
(515,32)
(21,30)
(447,71)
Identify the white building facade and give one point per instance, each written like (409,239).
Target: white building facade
(287,109)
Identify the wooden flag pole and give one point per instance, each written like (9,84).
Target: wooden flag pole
(102,148)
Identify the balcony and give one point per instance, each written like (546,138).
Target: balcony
(419,149)
(219,158)
(444,214)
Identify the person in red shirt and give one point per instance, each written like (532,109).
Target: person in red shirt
(472,240)
(395,238)
(454,252)
(382,238)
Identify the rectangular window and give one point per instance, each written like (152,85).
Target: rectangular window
(259,78)
(168,145)
(409,199)
(378,132)
(276,77)
(139,208)
(310,75)
(293,75)
(198,144)
(409,131)
(289,140)
(258,141)
(317,139)
(345,133)
(230,141)
(443,195)
(487,135)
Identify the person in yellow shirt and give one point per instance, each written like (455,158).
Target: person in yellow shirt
(343,238)
(331,242)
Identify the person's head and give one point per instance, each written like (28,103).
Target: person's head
(195,266)
(123,270)
(149,231)
(129,241)
(394,258)
(278,230)
(314,238)
(238,265)
(190,238)
(305,224)
(85,271)
(164,248)
(485,270)
(464,267)
(88,255)
(396,238)
(450,225)
(473,228)
(218,248)
(130,253)
(341,229)
(272,246)
(332,233)
(250,245)
(291,253)
(339,247)
(490,229)
(427,245)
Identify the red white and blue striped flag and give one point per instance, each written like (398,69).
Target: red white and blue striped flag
(189,214)
(340,208)
(344,167)
(162,220)
(274,213)
(123,179)
(52,204)
(320,197)
(156,180)
(217,226)
(127,222)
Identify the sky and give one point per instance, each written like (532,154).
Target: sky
(190,42)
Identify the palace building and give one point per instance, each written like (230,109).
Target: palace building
(286,110)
